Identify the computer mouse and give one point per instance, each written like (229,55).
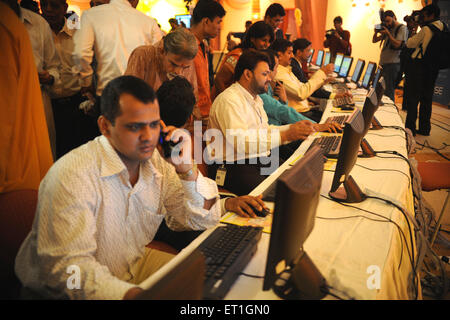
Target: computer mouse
(264,212)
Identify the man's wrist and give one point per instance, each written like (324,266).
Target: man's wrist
(187,173)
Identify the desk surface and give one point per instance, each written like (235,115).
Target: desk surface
(361,255)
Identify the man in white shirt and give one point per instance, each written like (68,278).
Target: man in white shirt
(297,91)
(102,203)
(72,126)
(47,63)
(111,31)
(243,137)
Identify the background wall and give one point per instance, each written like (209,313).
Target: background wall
(360,20)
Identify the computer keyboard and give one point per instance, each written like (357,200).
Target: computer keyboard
(339,119)
(227,251)
(344,101)
(329,144)
(339,86)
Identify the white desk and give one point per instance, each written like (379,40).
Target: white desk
(345,250)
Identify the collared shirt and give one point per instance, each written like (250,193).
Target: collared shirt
(243,125)
(45,55)
(111,31)
(297,92)
(202,71)
(422,37)
(89,218)
(146,63)
(70,78)
(225,76)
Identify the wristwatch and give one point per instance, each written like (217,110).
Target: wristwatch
(189,173)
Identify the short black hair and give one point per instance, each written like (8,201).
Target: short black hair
(257,30)
(176,101)
(207,9)
(109,102)
(432,9)
(338,19)
(281,45)
(389,13)
(248,60)
(275,9)
(271,55)
(300,44)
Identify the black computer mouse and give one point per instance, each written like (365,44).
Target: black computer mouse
(264,212)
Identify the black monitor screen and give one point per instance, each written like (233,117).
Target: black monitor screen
(311,55)
(358,69)
(297,196)
(338,62)
(369,109)
(345,66)
(368,75)
(319,58)
(327,58)
(186,18)
(377,76)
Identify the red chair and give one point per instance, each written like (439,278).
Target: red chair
(435,176)
(17,209)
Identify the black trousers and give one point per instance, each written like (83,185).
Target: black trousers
(73,127)
(421,80)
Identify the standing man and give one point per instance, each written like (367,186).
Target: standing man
(114,30)
(394,35)
(206,22)
(274,17)
(47,62)
(422,72)
(338,40)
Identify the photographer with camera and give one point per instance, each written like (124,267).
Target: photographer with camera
(430,51)
(393,36)
(338,39)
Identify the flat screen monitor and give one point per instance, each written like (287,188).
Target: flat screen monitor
(358,70)
(377,76)
(371,66)
(379,89)
(319,58)
(327,58)
(344,187)
(338,62)
(345,66)
(186,18)
(296,200)
(311,55)
(369,109)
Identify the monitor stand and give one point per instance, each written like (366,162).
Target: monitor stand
(367,150)
(349,192)
(376,125)
(301,281)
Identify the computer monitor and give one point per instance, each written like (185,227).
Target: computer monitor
(344,187)
(311,56)
(319,58)
(345,66)
(358,70)
(327,58)
(370,70)
(377,76)
(380,87)
(338,62)
(186,18)
(289,270)
(370,107)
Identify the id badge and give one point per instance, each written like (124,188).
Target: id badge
(220,176)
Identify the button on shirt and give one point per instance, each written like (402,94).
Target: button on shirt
(243,125)
(112,31)
(89,216)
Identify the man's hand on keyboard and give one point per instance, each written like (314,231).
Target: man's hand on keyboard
(344,93)
(297,131)
(242,206)
(333,127)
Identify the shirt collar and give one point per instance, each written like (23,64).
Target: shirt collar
(247,94)
(120,3)
(283,68)
(66,29)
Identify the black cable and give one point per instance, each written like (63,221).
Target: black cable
(251,275)
(437,150)
(408,177)
(383,135)
(440,127)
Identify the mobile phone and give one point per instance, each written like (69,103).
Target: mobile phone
(167,146)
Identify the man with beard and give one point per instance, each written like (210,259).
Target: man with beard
(248,139)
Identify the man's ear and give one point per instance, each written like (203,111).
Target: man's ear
(103,125)
(248,74)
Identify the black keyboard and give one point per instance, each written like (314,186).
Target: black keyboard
(227,251)
(329,144)
(339,119)
(344,101)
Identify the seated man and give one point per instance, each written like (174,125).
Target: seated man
(299,62)
(176,101)
(243,145)
(102,203)
(297,91)
(173,55)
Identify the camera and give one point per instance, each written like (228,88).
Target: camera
(415,17)
(329,33)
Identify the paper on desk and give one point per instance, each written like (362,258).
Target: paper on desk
(264,222)
(330,165)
